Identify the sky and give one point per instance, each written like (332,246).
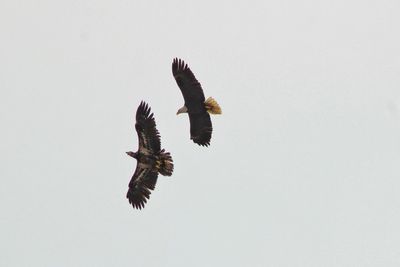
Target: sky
(304,163)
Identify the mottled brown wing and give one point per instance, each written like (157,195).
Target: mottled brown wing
(143,181)
(149,137)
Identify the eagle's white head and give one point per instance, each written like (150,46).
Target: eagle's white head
(182,110)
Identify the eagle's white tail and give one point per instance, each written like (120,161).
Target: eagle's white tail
(212,106)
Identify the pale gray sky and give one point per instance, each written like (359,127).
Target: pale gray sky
(304,164)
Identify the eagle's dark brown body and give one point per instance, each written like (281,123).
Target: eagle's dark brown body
(197,107)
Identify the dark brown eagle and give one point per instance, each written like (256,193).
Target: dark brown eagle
(195,104)
(151,159)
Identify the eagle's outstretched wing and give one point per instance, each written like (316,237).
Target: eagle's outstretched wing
(190,87)
(200,121)
(200,128)
(149,137)
(143,181)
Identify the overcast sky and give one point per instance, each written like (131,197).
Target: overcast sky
(303,167)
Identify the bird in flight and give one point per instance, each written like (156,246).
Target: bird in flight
(151,159)
(197,107)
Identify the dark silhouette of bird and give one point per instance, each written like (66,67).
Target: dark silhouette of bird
(151,159)
(195,105)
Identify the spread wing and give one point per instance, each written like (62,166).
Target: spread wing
(143,181)
(200,128)
(190,87)
(149,137)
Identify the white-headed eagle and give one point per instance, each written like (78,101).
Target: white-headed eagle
(151,159)
(196,106)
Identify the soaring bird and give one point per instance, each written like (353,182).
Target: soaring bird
(195,105)
(151,159)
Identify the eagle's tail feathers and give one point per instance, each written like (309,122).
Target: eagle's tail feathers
(212,106)
(166,167)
